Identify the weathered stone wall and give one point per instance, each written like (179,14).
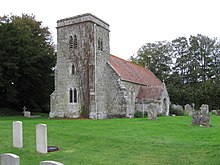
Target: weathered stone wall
(64,80)
(146,107)
(132,90)
(120,95)
(165,101)
(98,109)
(160,105)
(116,106)
(100,91)
(89,63)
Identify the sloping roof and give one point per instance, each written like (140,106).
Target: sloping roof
(149,92)
(131,72)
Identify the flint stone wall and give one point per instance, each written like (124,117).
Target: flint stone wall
(109,95)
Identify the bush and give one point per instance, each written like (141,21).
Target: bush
(177,112)
(161,115)
(138,114)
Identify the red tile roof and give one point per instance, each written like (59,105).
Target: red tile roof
(150,93)
(131,72)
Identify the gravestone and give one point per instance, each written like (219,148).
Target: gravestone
(214,112)
(188,108)
(190,113)
(10,159)
(152,114)
(17,134)
(27,114)
(204,109)
(196,117)
(205,120)
(177,107)
(41,138)
(50,163)
(201,117)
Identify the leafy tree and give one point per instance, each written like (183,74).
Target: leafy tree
(181,58)
(193,76)
(156,56)
(27,58)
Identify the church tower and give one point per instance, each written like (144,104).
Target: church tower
(80,79)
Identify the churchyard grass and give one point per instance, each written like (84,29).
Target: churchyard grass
(167,140)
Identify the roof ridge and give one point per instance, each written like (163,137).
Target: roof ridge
(130,62)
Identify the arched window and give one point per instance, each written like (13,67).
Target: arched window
(71,95)
(75,95)
(75,42)
(71,42)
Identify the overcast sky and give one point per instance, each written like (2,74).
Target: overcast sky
(132,22)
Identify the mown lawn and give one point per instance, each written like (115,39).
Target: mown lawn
(166,141)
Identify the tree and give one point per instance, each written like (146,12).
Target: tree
(181,58)
(194,74)
(27,57)
(155,56)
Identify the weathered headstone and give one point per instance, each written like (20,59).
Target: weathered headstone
(196,117)
(202,117)
(50,163)
(205,120)
(9,159)
(41,138)
(214,112)
(205,117)
(17,134)
(188,108)
(190,113)
(177,107)
(204,109)
(152,114)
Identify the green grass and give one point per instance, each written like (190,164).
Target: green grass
(166,141)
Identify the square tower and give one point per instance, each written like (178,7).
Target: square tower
(80,79)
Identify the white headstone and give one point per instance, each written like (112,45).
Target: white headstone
(50,163)
(27,114)
(10,159)
(17,134)
(41,138)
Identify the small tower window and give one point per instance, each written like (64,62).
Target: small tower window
(75,42)
(75,95)
(73,69)
(71,42)
(71,95)
(100,44)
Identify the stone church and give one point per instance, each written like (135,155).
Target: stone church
(92,83)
